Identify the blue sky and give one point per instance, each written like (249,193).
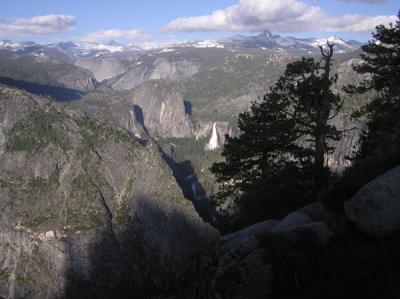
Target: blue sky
(160,20)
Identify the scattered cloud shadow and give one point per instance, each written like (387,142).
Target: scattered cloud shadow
(59,93)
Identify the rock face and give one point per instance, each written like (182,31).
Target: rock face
(375,209)
(160,68)
(102,68)
(47,72)
(343,149)
(160,108)
(79,79)
(81,214)
(173,69)
(131,78)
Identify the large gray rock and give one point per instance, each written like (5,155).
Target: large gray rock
(48,71)
(375,209)
(242,271)
(306,235)
(292,220)
(308,224)
(173,69)
(159,107)
(245,271)
(131,78)
(102,67)
(158,69)
(245,259)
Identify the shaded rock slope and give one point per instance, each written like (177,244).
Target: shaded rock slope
(87,212)
(102,68)
(160,109)
(45,70)
(153,69)
(316,253)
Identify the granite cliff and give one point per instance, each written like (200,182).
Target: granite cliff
(159,107)
(86,211)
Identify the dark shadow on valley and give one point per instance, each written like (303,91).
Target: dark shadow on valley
(188,108)
(183,172)
(138,111)
(143,257)
(59,93)
(187,180)
(139,115)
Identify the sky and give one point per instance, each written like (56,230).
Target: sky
(163,21)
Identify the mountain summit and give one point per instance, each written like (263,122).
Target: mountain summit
(268,35)
(268,40)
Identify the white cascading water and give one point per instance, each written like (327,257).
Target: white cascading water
(194,190)
(213,143)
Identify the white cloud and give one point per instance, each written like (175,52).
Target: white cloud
(365,1)
(39,25)
(276,15)
(109,34)
(356,23)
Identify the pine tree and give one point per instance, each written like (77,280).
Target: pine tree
(309,85)
(380,145)
(381,64)
(280,154)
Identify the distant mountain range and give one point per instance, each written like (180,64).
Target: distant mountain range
(268,40)
(265,40)
(68,48)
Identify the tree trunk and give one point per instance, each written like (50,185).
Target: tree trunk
(320,179)
(320,175)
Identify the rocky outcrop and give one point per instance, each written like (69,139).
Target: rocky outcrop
(242,271)
(158,69)
(159,107)
(311,221)
(131,78)
(352,130)
(173,69)
(245,269)
(102,67)
(45,72)
(31,262)
(286,258)
(77,79)
(375,209)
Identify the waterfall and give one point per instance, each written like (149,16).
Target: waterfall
(213,143)
(194,190)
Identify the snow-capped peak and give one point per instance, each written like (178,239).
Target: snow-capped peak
(7,44)
(269,40)
(200,44)
(208,44)
(330,39)
(100,47)
(14,46)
